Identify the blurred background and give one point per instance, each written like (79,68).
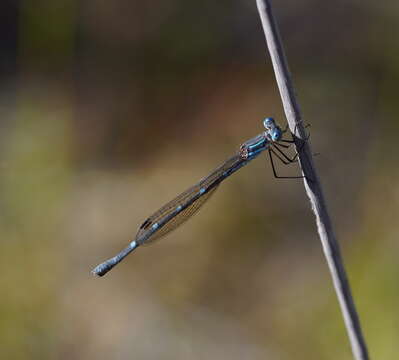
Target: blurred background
(109,109)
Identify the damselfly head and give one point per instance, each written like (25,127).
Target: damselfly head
(269,123)
(273,131)
(276,133)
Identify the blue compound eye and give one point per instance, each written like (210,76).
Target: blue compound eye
(276,134)
(269,123)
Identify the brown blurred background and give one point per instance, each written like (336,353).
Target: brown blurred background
(111,108)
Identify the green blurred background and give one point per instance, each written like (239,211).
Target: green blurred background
(111,108)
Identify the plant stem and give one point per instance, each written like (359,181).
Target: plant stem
(312,183)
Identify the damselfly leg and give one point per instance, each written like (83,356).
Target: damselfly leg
(290,160)
(276,151)
(285,162)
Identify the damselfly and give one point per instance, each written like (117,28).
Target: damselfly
(180,209)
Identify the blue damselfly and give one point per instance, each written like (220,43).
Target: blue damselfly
(180,209)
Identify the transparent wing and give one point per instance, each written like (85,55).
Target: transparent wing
(182,217)
(184,198)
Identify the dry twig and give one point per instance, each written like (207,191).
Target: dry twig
(311,181)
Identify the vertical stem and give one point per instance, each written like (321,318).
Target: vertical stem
(311,181)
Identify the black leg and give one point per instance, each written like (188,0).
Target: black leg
(305,127)
(274,169)
(282,145)
(292,142)
(284,155)
(286,147)
(285,162)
